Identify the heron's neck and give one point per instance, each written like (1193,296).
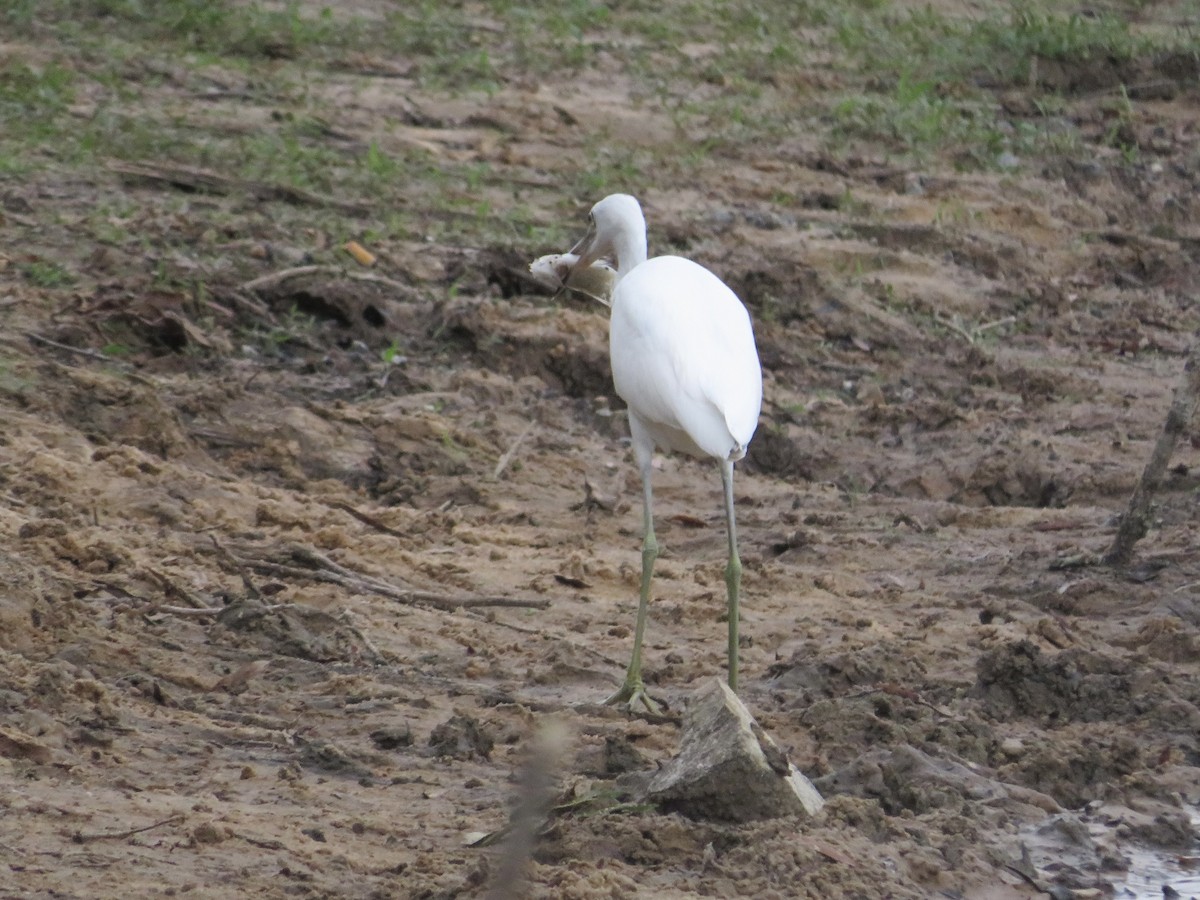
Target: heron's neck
(630,250)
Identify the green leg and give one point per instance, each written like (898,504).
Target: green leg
(633,691)
(733,572)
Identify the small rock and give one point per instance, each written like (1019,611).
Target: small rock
(1012,747)
(728,769)
(18,745)
(207,833)
(870,394)
(620,756)
(331,758)
(461,737)
(392,737)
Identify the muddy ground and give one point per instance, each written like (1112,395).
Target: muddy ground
(283,611)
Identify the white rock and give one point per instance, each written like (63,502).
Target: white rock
(728,769)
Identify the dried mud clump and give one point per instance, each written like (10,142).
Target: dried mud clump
(1073,685)
(461,737)
(1076,773)
(829,675)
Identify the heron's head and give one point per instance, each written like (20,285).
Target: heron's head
(616,227)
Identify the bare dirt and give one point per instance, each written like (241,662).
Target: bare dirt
(280,618)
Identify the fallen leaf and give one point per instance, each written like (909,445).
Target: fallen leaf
(361,254)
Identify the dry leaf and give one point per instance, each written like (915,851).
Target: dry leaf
(361,254)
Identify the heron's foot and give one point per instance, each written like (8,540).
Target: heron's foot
(633,694)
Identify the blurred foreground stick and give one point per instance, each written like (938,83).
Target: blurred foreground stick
(1136,520)
(536,791)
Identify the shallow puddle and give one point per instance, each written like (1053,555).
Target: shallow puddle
(1152,872)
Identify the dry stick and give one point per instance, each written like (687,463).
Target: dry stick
(247,302)
(371,277)
(368,519)
(903,695)
(214,610)
(197,611)
(559,640)
(512,450)
(202,180)
(274,279)
(125,367)
(171,589)
(973,336)
(533,806)
(321,568)
(247,583)
(80,351)
(347,622)
(80,838)
(999,323)
(1136,521)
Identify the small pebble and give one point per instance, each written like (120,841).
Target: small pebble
(1012,747)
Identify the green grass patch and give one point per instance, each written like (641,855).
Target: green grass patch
(150,81)
(220,27)
(929,80)
(45,273)
(33,99)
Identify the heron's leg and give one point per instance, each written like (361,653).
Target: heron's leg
(649,555)
(633,691)
(733,571)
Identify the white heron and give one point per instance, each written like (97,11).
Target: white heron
(684,360)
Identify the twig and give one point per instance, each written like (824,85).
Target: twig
(368,519)
(275,279)
(197,611)
(1074,561)
(193,179)
(956,328)
(254,305)
(251,590)
(1136,521)
(591,500)
(512,450)
(171,589)
(398,286)
(1025,868)
(81,838)
(347,621)
(213,610)
(999,323)
(972,336)
(315,566)
(79,351)
(559,640)
(895,690)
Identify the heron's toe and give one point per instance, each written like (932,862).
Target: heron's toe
(633,694)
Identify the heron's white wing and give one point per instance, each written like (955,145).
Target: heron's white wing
(683,354)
